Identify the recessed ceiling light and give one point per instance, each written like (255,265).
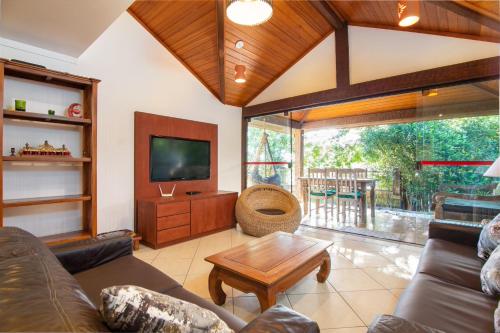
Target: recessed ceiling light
(408,12)
(249,12)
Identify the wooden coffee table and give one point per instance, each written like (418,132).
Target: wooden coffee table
(268,265)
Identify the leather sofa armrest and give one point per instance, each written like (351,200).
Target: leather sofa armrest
(455,231)
(85,254)
(280,319)
(393,324)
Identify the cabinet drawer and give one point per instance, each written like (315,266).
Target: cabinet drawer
(173,221)
(172,234)
(172,208)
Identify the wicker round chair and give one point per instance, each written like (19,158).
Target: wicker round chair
(264,209)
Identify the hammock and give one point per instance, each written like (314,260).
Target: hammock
(257,178)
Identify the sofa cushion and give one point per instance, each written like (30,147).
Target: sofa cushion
(135,309)
(232,321)
(393,324)
(15,242)
(449,307)
(482,207)
(126,270)
(489,238)
(490,274)
(452,262)
(37,293)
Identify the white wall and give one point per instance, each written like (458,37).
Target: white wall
(137,73)
(374,54)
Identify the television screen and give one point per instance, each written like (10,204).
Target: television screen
(178,159)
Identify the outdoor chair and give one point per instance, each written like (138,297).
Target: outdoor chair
(319,190)
(348,193)
(466,202)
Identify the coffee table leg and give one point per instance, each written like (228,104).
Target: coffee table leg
(215,287)
(267,298)
(324,270)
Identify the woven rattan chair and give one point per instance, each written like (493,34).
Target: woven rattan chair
(264,209)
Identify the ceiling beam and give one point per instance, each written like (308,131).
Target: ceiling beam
(490,39)
(472,71)
(342,57)
(220,49)
(335,20)
(468,13)
(448,111)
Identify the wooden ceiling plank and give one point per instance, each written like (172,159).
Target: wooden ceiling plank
(471,71)
(449,111)
(220,47)
(484,38)
(329,14)
(468,13)
(483,87)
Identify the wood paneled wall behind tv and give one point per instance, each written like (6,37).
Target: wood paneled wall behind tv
(147,125)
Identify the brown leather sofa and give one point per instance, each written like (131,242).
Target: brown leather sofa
(445,293)
(57,289)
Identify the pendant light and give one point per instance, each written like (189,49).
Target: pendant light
(239,70)
(249,12)
(408,12)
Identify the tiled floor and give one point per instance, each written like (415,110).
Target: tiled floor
(367,277)
(390,224)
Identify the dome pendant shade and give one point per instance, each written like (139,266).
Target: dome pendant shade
(408,12)
(239,74)
(249,12)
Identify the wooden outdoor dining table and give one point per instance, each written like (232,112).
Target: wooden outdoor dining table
(362,183)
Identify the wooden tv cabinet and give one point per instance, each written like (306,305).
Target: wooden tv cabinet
(164,221)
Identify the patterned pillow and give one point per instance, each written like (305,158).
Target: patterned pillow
(490,274)
(489,238)
(135,309)
(497,319)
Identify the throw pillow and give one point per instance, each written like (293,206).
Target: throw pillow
(490,274)
(135,309)
(497,319)
(489,238)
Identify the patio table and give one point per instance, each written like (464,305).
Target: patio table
(362,184)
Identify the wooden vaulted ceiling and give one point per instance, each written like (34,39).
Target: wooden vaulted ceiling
(199,34)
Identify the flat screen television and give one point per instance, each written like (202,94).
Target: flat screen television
(174,159)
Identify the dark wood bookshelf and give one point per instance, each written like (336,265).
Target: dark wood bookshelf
(46,118)
(41,158)
(66,237)
(88,88)
(45,200)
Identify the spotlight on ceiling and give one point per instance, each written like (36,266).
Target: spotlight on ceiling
(430,92)
(408,12)
(239,74)
(249,12)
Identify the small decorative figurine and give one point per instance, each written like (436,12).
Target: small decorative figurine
(20,104)
(12,151)
(75,110)
(45,149)
(52,112)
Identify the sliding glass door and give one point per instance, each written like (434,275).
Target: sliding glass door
(269,151)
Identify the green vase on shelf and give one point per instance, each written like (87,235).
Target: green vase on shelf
(20,104)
